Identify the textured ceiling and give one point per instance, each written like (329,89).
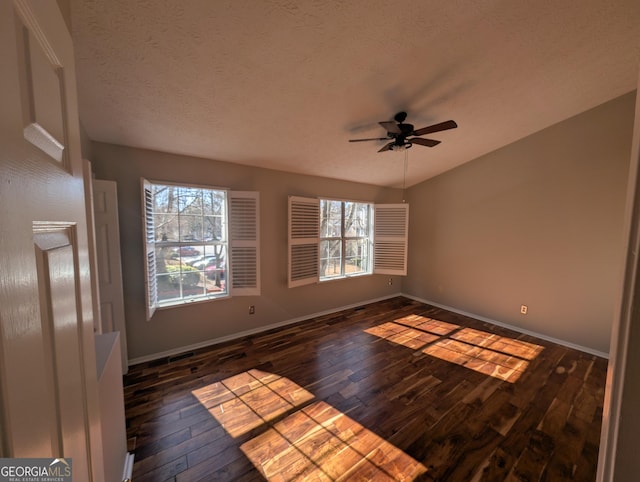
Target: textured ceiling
(284,84)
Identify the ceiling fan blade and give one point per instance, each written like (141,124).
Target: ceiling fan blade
(391,126)
(371,139)
(442,126)
(423,142)
(387,147)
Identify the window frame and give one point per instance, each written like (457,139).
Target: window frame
(389,238)
(240,238)
(344,238)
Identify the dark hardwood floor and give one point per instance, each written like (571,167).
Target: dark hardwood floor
(394,390)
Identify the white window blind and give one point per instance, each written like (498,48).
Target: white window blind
(148,235)
(244,216)
(304,240)
(391,229)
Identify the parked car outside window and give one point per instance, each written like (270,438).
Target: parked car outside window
(211,270)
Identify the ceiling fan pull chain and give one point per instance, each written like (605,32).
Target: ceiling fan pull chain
(404,178)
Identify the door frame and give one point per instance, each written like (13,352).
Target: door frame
(619,396)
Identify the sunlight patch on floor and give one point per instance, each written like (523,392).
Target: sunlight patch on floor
(431,325)
(497,356)
(413,331)
(321,443)
(400,334)
(315,442)
(494,355)
(248,400)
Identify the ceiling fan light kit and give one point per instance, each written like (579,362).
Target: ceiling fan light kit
(400,147)
(404,135)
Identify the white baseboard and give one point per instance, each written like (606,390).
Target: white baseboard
(127,471)
(242,334)
(511,327)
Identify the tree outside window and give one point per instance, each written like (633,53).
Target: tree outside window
(345,238)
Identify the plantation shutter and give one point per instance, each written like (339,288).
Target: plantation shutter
(148,241)
(244,224)
(391,229)
(304,240)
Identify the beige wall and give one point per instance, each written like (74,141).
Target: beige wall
(538,222)
(173,328)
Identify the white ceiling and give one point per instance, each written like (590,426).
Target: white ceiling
(284,84)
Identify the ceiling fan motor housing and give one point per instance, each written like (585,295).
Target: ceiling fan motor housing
(400,117)
(406,129)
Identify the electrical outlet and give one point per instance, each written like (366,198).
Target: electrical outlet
(390,281)
(252,310)
(524,309)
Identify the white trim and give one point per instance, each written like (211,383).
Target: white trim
(127,470)
(511,327)
(242,334)
(44,140)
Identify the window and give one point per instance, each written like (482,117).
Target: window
(201,243)
(331,239)
(345,241)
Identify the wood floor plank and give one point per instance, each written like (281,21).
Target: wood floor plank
(392,390)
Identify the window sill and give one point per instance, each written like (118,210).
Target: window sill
(342,277)
(175,304)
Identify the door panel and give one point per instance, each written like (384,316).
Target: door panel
(48,380)
(42,89)
(107,229)
(58,279)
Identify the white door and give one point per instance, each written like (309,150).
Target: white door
(105,207)
(48,386)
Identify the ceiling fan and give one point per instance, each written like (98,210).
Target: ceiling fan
(402,133)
